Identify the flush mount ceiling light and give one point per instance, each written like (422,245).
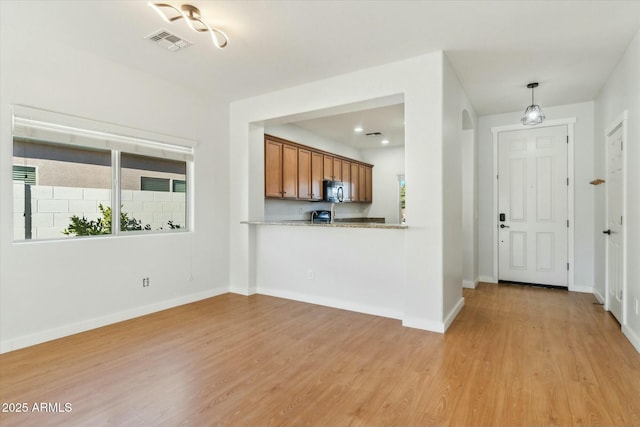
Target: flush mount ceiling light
(533,114)
(193,18)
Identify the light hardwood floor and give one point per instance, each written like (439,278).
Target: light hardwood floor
(514,356)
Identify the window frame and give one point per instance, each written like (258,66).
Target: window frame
(54,128)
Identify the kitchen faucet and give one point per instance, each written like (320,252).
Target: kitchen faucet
(313,215)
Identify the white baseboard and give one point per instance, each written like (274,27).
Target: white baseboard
(424,324)
(598,295)
(470,284)
(331,302)
(488,279)
(241,290)
(582,289)
(453,313)
(97,322)
(632,337)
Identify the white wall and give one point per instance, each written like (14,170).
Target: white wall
(387,163)
(84,283)
(349,268)
(469,208)
(302,136)
(419,80)
(583,191)
(620,93)
(455,101)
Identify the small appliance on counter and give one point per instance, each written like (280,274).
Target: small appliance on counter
(333,191)
(321,217)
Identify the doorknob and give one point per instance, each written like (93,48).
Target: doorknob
(504,226)
(607,232)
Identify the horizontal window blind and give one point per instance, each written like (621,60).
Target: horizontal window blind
(41,125)
(154,184)
(179,186)
(26,174)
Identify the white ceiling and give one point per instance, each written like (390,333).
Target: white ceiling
(387,120)
(496,47)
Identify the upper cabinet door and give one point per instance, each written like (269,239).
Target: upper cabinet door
(368,173)
(328,167)
(304,174)
(355,183)
(272,169)
(289,172)
(346,180)
(362,183)
(317,174)
(337,169)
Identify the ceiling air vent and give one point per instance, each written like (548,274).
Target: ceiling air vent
(166,40)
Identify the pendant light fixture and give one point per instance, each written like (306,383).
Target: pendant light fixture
(533,114)
(193,18)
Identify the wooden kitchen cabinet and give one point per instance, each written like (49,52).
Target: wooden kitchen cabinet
(368,173)
(362,183)
(289,172)
(317,173)
(272,169)
(355,182)
(346,179)
(365,183)
(327,167)
(295,171)
(309,175)
(280,170)
(304,174)
(337,169)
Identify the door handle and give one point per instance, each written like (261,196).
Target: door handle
(504,226)
(607,232)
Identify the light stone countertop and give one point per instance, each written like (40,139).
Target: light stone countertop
(304,223)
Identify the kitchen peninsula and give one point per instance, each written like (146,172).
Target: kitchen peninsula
(336,224)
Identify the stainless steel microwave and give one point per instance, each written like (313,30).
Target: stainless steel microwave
(333,191)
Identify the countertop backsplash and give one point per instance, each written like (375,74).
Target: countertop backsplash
(287,210)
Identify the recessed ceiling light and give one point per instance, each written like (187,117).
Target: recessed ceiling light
(358,129)
(384,141)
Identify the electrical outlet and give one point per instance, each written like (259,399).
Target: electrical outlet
(310,275)
(145,282)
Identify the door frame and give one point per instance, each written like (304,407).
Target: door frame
(620,121)
(570,124)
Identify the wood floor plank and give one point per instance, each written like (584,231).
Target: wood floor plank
(515,356)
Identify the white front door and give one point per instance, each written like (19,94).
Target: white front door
(532,206)
(614,223)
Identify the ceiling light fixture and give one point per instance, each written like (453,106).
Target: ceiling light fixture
(384,141)
(193,18)
(358,129)
(533,114)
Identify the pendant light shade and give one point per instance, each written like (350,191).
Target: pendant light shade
(533,114)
